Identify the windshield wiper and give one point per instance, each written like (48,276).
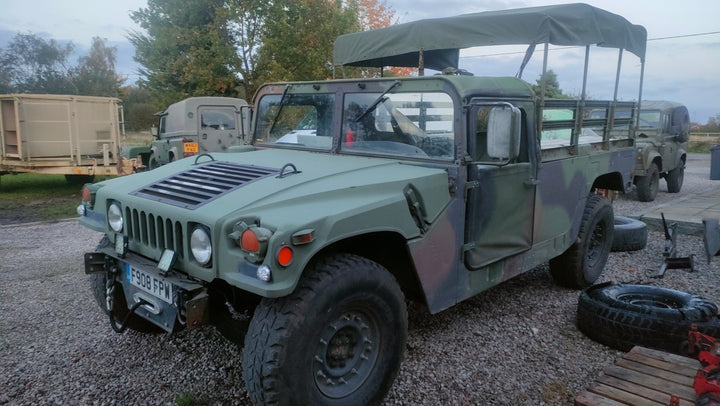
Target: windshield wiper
(280,107)
(380,99)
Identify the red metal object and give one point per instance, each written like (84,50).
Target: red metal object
(707,379)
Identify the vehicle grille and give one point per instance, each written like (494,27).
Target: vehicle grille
(198,186)
(154,232)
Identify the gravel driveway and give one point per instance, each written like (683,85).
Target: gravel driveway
(515,344)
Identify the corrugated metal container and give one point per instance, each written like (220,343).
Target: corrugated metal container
(59,133)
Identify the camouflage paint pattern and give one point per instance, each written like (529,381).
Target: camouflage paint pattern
(446,229)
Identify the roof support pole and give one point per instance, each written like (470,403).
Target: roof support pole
(637,113)
(611,114)
(581,103)
(421,63)
(543,85)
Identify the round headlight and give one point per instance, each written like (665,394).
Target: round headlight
(115,217)
(200,246)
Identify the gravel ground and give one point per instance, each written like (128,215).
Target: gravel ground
(515,344)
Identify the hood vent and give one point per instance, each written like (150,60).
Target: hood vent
(203,184)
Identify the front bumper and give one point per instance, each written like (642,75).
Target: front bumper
(170,301)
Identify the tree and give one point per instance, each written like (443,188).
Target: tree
(246,26)
(95,75)
(31,64)
(552,89)
(138,108)
(298,45)
(374,14)
(186,49)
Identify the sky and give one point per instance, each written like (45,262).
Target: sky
(682,62)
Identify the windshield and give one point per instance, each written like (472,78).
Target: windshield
(415,125)
(302,120)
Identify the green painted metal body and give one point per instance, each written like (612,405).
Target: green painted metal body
(662,138)
(214,124)
(448,224)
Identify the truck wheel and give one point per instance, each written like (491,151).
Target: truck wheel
(622,316)
(583,262)
(153,162)
(647,186)
(629,234)
(120,309)
(675,178)
(79,179)
(338,339)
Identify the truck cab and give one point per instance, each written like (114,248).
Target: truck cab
(663,130)
(197,125)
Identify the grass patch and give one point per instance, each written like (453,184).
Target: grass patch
(136,138)
(191,399)
(28,197)
(700,147)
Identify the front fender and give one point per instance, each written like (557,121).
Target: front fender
(338,218)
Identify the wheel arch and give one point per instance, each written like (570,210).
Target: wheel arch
(388,249)
(612,181)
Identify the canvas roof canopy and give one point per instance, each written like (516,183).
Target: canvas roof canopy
(439,40)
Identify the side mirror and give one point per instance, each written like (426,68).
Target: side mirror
(503,136)
(154,131)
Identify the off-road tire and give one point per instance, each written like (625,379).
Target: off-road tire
(583,262)
(629,234)
(153,162)
(622,316)
(79,179)
(345,321)
(647,186)
(675,177)
(120,309)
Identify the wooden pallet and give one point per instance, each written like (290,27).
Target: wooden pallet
(643,377)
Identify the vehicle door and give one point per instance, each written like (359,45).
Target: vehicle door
(500,189)
(218,129)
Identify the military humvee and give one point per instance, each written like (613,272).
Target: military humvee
(357,194)
(196,125)
(663,130)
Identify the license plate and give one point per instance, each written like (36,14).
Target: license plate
(191,147)
(154,285)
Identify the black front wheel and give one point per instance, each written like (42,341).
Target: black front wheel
(338,339)
(120,310)
(647,186)
(675,178)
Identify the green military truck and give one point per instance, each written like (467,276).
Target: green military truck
(357,194)
(197,125)
(663,130)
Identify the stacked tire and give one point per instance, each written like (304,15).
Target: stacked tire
(630,234)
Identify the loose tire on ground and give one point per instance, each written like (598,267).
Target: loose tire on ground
(583,262)
(120,309)
(675,177)
(622,316)
(338,339)
(647,186)
(629,234)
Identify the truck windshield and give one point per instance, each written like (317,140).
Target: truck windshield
(414,125)
(303,121)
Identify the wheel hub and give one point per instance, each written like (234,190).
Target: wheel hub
(345,354)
